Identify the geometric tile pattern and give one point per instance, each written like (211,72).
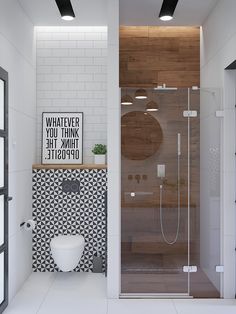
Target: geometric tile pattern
(56,212)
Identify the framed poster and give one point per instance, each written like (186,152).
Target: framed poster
(62,138)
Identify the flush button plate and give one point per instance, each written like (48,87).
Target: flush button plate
(70,186)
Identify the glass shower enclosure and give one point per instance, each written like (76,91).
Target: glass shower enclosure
(170,192)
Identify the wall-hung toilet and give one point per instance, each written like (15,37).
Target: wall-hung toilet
(67,250)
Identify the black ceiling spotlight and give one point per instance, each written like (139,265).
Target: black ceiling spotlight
(66,10)
(168,9)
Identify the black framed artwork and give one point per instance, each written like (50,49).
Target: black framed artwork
(62,138)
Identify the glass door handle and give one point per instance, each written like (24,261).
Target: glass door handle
(9,198)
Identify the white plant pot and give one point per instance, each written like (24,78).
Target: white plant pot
(100,159)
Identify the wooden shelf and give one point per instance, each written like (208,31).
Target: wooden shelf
(74,166)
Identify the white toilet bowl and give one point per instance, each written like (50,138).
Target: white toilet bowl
(67,251)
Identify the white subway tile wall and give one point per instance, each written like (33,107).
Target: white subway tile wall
(72,76)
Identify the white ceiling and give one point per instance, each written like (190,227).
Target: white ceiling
(132,12)
(145,12)
(45,12)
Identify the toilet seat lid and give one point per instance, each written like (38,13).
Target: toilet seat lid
(67,241)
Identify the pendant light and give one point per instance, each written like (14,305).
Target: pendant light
(66,9)
(152,106)
(167,10)
(141,94)
(126,100)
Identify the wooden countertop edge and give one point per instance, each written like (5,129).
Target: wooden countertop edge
(74,166)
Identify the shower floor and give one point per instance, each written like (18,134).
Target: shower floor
(148,274)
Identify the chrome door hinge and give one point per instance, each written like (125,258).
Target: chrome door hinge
(190,113)
(189,269)
(220,268)
(220,114)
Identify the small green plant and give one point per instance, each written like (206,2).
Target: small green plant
(99,149)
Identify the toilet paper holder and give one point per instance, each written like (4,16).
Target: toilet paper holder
(28,225)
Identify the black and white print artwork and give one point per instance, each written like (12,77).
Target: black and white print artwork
(62,138)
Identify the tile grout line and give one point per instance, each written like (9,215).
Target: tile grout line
(173,302)
(107,304)
(46,294)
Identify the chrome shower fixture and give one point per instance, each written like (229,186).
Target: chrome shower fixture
(179,143)
(178,197)
(164,88)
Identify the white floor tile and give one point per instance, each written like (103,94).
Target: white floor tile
(83,285)
(40,281)
(31,295)
(205,306)
(74,293)
(141,307)
(55,304)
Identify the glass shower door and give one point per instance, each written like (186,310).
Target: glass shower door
(205,210)
(155,199)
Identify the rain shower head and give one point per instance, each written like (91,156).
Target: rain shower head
(164,88)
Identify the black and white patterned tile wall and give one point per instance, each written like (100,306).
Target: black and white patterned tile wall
(56,212)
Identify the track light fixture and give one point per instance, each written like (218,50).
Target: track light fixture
(168,9)
(66,9)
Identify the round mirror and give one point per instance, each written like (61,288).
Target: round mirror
(141,135)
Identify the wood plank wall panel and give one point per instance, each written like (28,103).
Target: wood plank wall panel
(151,55)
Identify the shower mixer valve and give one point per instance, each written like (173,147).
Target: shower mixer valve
(138,177)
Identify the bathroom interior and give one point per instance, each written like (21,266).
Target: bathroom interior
(170,166)
(146,219)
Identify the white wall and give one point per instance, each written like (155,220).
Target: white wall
(17,58)
(114,146)
(88,13)
(219,50)
(72,76)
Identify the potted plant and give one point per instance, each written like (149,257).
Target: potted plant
(99,151)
